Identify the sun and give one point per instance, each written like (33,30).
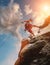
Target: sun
(46,8)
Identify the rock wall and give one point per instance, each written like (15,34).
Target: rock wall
(37,52)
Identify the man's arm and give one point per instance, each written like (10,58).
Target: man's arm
(35,26)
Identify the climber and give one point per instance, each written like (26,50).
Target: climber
(46,23)
(29,26)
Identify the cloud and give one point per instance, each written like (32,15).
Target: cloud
(27,9)
(37,16)
(10,19)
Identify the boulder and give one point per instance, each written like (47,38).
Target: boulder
(37,52)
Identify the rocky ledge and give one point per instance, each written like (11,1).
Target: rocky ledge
(37,52)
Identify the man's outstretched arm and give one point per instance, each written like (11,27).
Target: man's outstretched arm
(35,26)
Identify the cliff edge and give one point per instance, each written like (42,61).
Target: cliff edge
(37,52)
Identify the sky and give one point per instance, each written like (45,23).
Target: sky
(12,14)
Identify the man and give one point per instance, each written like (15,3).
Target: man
(29,26)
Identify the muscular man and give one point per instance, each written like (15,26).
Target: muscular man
(29,26)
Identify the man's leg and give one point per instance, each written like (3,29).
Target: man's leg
(31,32)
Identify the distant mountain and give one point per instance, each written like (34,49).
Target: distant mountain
(37,52)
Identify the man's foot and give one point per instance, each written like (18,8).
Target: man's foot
(31,36)
(39,31)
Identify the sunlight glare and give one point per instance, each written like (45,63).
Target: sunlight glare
(46,8)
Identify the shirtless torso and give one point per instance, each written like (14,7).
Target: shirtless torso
(29,26)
